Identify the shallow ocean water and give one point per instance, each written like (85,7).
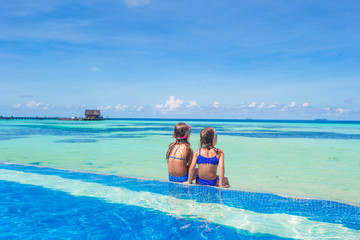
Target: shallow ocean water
(318,160)
(108,180)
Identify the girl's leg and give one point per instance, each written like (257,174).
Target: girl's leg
(195,174)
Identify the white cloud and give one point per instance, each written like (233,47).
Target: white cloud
(272,106)
(136,3)
(16,105)
(284,108)
(170,104)
(120,107)
(253,104)
(216,104)
(305,104)
(261,105)
(139,108)
(192,104)
(240,106)
(341,110)
(105,108)
(326,108)
(33,104)
(292,104)
(95,69)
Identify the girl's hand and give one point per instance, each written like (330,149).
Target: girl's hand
(224,185)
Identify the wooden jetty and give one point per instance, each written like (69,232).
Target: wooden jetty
(27,118)
(69,119)
(90,115)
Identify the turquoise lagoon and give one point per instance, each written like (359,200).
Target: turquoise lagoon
(293,158)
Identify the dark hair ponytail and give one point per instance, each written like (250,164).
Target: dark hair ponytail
(181,130)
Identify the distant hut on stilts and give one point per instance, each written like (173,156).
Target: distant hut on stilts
(92,115)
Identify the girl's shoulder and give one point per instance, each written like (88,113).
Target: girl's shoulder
(216,150)
(197,151)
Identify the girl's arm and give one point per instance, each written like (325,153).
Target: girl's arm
(189,157)
(192,167)
(221,169)
(170,148)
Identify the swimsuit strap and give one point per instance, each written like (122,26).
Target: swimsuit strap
(177,158)
(217,151)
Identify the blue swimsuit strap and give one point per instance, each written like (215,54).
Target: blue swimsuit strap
(177,158)
(217,150)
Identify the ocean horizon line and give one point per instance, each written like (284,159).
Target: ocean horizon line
(243,120)
(205,119)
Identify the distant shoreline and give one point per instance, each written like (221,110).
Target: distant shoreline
(50,118)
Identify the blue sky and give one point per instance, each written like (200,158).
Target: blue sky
(181,59)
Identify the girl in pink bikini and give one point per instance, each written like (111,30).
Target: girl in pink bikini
(208,159)
(179,154)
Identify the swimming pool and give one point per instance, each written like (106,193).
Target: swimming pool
(42,203)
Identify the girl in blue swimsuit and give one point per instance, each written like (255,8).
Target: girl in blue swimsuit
(179,154)
(208,159)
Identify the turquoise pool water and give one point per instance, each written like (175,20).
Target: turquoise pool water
(48,203)
(318,160)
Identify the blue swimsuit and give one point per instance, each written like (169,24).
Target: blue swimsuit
(204,160)
(181,178)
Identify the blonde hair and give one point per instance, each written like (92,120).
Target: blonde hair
(207,138)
